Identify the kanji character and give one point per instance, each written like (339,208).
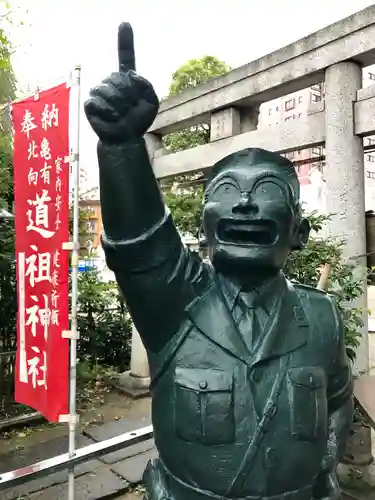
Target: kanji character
(32,151)
(33,176)
(41,215)
(45,150)
(50,117)
(45,173)
(35,368)
(28,123)
(38,266)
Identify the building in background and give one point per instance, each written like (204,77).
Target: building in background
(94,222)
(310,162)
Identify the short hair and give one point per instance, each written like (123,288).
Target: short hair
(253,157)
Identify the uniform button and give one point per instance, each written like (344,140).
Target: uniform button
(203,384)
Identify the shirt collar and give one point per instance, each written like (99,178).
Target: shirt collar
(266,294)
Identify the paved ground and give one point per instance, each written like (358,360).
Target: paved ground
(116,473)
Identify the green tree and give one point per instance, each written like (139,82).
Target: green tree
(8,301)
(345,280)
(103,322)
(7,94)
(184,193)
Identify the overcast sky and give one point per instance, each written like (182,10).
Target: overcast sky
(61,33)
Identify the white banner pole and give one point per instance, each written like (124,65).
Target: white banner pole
(76,88)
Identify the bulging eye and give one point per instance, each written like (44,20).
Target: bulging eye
(226,191)
(270,191)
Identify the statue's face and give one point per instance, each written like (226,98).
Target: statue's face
(249,219)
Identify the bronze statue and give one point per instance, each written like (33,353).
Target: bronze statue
(251,385)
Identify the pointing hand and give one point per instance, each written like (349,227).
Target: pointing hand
(124,105)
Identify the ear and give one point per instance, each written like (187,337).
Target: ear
(202,240)
(301,235)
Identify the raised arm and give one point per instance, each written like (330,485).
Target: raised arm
(143,248)
(120,110)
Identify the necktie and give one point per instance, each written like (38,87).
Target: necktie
(247,324)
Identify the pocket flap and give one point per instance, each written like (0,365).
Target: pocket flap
(312,377)
(204,379)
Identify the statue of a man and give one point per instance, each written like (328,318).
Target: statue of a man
(250,381)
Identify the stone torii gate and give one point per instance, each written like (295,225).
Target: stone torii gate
(334,55)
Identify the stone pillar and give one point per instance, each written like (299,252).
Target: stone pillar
(345,186)
(344,174)
(139,361)
(136,381)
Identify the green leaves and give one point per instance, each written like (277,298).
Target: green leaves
(345,281)
(184,193)
(103,322)
(195,72)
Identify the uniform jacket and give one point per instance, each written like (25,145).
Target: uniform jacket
(229,421)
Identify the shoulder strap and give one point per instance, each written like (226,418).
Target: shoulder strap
(269,412)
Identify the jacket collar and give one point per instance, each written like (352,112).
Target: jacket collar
(285,330)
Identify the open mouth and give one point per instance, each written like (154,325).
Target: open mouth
(244,232)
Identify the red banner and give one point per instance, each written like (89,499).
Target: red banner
(41,183)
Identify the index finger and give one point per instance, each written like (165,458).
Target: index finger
(126,55)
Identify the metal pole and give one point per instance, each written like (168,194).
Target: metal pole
(82,455)
(76,85)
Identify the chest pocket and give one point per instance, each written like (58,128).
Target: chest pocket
(307,402)
(204,406)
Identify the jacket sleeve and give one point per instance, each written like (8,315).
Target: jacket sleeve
(156,273)
(159,277)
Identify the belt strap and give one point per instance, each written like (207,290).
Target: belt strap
(179,489)
(262,428)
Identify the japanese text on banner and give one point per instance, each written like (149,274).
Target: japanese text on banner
(41,178)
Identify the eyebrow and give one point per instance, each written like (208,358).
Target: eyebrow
(224,175)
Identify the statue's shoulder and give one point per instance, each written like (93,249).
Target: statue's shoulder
(311,291)
(318,302)
(322,305)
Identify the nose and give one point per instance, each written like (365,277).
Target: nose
(245,205)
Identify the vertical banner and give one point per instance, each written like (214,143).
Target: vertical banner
(41,183)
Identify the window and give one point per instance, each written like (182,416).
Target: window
(315,98)
(371,76)
(290,104)
(370,158)
(370,175)
(300,99)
